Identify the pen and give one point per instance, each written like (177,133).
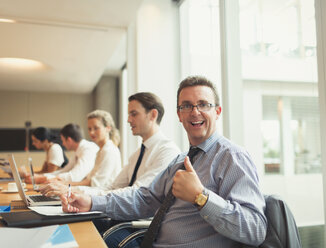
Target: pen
(69,191)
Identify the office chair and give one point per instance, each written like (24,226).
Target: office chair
(140,227)
(282,231)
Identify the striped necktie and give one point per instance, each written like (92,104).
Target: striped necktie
(153,229)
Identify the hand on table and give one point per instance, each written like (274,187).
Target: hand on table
(53,189)
(77,202)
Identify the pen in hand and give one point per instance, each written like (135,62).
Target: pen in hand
(69,194)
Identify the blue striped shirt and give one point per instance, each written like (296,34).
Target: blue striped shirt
(233,214)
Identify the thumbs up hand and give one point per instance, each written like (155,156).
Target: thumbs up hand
(186,184)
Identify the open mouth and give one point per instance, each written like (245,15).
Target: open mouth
(197,123)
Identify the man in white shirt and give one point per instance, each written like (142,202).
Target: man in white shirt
(145,112)
(80,164)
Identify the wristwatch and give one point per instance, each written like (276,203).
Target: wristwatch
(201,199)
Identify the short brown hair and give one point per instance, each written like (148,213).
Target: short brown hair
(149,101)
(73,131)
(198,81)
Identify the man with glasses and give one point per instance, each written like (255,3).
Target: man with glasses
(209,198)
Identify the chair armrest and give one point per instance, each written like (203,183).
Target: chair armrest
(137,224)
(141,223)
(131,237)
(116,228)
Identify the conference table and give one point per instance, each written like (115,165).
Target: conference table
(84,233)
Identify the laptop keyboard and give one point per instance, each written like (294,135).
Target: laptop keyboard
(41,198)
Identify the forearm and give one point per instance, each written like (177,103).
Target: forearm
(85,182)
(43,169)
(52,167)
(91,190)
(122,206)
(75,175)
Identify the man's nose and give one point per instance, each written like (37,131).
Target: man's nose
(195,110)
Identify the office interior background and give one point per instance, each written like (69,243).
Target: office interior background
(266,57)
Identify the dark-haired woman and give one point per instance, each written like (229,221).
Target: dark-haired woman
(42,139)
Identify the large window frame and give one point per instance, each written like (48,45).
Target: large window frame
(320,8)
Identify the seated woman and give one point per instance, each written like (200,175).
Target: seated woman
(55,157)
(102,130)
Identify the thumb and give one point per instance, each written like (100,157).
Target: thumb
(72,197)
(66,193)
(188,165)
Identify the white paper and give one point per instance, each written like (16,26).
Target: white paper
(25,237)
(56,210)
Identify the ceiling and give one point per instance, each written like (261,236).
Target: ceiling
(77,40)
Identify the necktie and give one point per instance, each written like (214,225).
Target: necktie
(141,154)
(153,229)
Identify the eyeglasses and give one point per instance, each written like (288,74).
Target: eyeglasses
(202,107)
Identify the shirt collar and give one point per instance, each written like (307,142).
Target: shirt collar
(108,143)
(80,145)
(208,143)
(153,139)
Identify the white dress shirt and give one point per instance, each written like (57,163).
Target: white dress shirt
(79,165)
(159,152)
(107,166)
(55,155)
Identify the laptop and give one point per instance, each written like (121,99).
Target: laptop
(35,186)
(30,200)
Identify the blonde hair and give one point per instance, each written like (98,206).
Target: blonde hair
(107,120)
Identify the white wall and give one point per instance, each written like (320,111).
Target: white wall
(106,96)
(158,59)
(153,61)
(43,109)
(53,110)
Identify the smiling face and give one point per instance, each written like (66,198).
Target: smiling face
(141,122)
(198,125)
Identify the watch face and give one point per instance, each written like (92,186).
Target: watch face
(201,199)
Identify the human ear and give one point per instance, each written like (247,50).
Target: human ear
(218,111)
(179,116)
(154,114)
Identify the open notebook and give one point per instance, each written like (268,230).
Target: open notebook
(30,200)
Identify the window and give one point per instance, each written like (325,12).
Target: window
(302,124)
(279,74)
(280,92)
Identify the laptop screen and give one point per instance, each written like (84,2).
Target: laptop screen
(35,187)
(17,178)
